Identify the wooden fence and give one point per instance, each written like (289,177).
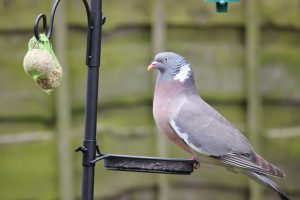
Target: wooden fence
(246,63)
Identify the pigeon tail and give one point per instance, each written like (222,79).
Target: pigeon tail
(265,180)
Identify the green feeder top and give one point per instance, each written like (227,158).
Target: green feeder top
(222,5)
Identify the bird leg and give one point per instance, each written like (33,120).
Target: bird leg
(196,162)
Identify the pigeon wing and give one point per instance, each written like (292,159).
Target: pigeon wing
(205,130)
(209,133)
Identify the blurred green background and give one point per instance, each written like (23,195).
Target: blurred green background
(246,63)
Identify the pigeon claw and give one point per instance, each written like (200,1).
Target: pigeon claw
(196,162)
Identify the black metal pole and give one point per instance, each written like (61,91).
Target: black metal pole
(93,63)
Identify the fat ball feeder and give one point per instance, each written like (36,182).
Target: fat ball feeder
(91,153)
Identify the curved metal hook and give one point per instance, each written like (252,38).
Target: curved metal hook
(52,18)
(50,28)
(36,24)
(87,9)
(42,15)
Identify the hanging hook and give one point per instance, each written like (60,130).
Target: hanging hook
(52,18)
(42,15)
(36,24)
(87,9)
(50,28)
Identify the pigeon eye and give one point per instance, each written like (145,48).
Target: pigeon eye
(166,59)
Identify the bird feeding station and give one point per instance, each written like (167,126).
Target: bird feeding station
(222,5)
(91,153)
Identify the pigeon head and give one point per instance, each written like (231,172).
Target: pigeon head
(172,66)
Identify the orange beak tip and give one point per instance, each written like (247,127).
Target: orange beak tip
(150,67)
(153,65)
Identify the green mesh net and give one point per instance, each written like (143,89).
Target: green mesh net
(41,63)
(43,44)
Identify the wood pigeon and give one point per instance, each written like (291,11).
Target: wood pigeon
(199,129)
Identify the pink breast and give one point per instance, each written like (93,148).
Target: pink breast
(162,108)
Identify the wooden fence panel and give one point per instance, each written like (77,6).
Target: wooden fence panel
(215,46)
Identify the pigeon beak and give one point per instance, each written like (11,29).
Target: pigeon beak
(153,65)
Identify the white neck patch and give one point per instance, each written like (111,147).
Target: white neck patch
(183,73)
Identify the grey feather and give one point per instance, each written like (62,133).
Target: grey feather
(208,132)
(206,129)
(263,179)
(252,162)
